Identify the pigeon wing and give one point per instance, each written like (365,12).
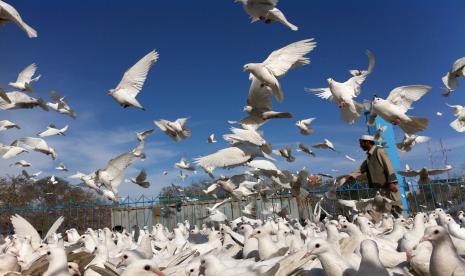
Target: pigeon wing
(134,77)
(23,228)
(141,177)
(27,73)
(281,60)
(404,96)
(53,229)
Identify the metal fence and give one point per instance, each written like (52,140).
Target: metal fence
(146,211)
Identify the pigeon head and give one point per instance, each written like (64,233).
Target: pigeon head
(330,81)
(435,234)
(110,92)
(316,247)
(247,108)
(249,67)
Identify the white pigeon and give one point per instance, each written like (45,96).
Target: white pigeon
(165,172)
(62,167)
(229,157)
(36,144)
(247,135)
(394,108)
(307,150)
(266,11)
(26,78)
(133,81)
(325,145)
(184,164)
(411,140)
(21,163)
(343,93)
(19,100)
(52,180)
(450,80)
(23,228)
(61,105)
(286,153)
(303,126)
(87,179)
(142,268)
(144,134)
(5,125)
(31,176)
(439,113)
(379,132)
(177,130)
(264,165)
(459,123)
(349,158)
(259,105)
(113,174)
(279,62)
(216,215)
(9,14)
(211,139)
(53,130)
(141,179)
(424,173)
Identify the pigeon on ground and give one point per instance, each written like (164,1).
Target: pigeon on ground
(5,125)
(61,105)
(25,78)
(424,173)
(259,105)
(9,14)
(303,126)
(459,123)
(36,144)
(133,80)
(325,145)
(177,130)
(450,80)
(343,94)
(305,149)
(279,62)
(211,139)
(265,10)
(398,102)
(141,179)
(410,141)
(53,130)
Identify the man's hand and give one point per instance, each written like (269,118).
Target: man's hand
(393,187)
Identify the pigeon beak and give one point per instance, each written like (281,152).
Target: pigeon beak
(252,236)
(424,238)
(309,253)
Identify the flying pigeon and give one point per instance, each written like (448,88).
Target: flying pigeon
(409,141)
(211,139)
(36,144)
(349,158)
(303,126)
(459,123)
(61,167)
(141,179)
(259,105)
(25,78)
(19,100)
(305,149)
(133,80)
(9,14)
(325,145)
(450,80)
(53,130)
(21,163)
(398,102)
(424,173)
(177,130)
(286,153)
(343,93)
(144,134)
(185,165)
(279,62)
(5,125)
(61,105)
(265,10)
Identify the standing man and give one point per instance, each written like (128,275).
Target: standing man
(379,171)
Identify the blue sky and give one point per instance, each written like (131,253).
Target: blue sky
(84,47)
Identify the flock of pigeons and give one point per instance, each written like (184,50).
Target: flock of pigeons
(372,242)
